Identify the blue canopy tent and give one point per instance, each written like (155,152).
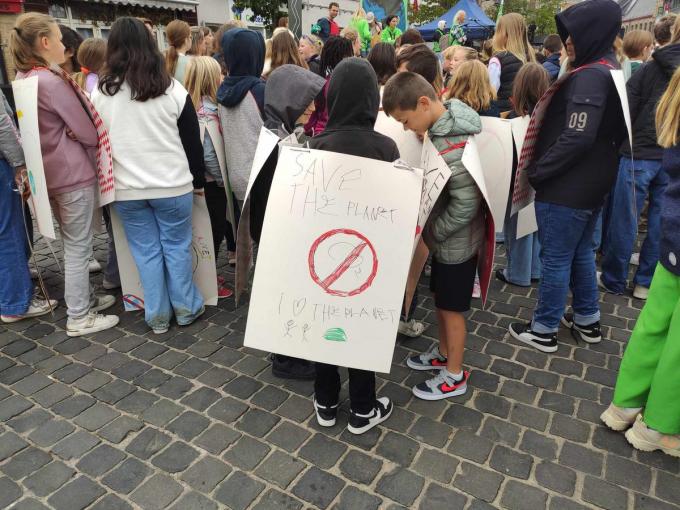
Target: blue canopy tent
(477,24)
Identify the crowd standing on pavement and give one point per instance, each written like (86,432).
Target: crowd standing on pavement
(187,122)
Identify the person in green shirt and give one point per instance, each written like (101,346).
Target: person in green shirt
(438,34)
(361,25)
(457,35)
(391,33)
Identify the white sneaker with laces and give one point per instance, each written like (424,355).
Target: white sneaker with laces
(640,292)
(93,266)
(647,440)
(102,302)
(90,323)
(412,328)
(37,308)
(619,418)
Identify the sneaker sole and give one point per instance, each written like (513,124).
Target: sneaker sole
(642,444)
(441,396)
(542,348)
(325,423)
(410,334)
(415,366)
(361,430)
(89,331)
(614,422)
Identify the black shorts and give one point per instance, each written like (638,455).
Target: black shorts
(452,284)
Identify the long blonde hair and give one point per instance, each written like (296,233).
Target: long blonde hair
(202,79)
(177,32)
(511,36)
(471,85)
(668,113)
(23,39)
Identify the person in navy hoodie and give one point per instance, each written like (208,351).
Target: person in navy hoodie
(552,50)
(574,167)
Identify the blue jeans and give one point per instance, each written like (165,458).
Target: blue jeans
(524,263)
(158,232)
(635,181)
(568,260)
(16,289)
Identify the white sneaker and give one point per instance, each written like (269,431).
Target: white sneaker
(412,328)
(640,292)
(360,423)
(37,308)
(102,302)
(231,258)
(91,323)
(94,266)
(635,259)
(646,439)
(620,418)
(107,285)
(160,331)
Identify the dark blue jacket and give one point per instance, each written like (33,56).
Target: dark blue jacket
(670,212)
(552,65)
(243,52)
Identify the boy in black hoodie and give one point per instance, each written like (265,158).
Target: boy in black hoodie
(574,167)
(353,102)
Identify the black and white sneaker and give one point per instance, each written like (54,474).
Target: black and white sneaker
(325,415)
(360,423)
(546,342)
(590,334)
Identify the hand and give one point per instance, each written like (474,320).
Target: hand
(199,192)
(71,135)
(21,179)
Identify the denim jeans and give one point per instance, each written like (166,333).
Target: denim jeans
(158,232)
(74,211)
(524,263)
(16,289)
(635,181)
(567,259)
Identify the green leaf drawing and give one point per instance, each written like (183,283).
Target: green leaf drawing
(335,335)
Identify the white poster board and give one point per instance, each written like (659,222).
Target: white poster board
(620,84)
(203,258)
(436,173)
(410,147)
(333,259)
(26,101)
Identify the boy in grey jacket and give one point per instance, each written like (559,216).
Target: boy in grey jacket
(455,235)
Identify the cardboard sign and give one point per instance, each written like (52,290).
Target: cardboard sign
(333,259)
(436,175)
(410,147)
(26,101)
(203,256)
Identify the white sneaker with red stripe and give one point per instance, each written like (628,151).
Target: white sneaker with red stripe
(441,386)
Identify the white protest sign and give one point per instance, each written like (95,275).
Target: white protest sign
(494,146)
(436,174)
(333,259)
(203,258)
(213,131)
(26,101)
(620,84)
(519,127)
(410,147)
(526,221)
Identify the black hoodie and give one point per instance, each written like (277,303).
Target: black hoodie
(353,102)
(576,154)
(645,88)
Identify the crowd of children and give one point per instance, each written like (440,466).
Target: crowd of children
(187,123)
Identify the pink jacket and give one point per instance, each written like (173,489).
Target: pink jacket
(69,164)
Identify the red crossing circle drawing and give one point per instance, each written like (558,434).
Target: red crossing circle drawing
(329,282)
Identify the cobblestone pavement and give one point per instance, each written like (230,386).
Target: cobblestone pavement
(193,420)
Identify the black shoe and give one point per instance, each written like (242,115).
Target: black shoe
(590,334)
(500,274)
(359,423)
(325,415)
(287,367)
(546,342)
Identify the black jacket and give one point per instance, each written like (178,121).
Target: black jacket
(576,153)
(510,66)
(353,102)
(645,88)
(670,212)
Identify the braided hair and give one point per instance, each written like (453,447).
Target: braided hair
(334,51)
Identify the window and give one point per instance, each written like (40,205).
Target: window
(85,32)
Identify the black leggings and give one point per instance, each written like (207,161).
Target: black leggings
(216,201)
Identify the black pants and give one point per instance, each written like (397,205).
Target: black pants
(216,201)
(361,388)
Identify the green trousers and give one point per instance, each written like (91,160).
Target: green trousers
(649,376)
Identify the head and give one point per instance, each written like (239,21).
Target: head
(217,42)
(334,51)
(352,34)
(133,59)
(457,55)
(668,114)
(411,36)
(552,44)
(638,44)
(359,13)
(35,40)
(392,21)
(283,22)
(149,24)
(285,51)
(209,40)
(530,84)
(411,100)
(663,29)
(383,59)
(353,98)
(487,50)
(421,60)
(441,24)
(198,43)
(289,97)
(370,18)
(333,10)
(459,18)
(92,56)
(471,85)
(309,47)
(511,35)
(203,78)
(178,33)
(72,41)
(243,52)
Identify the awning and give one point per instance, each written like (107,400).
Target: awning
(182,5)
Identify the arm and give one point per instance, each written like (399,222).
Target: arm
(364,31)
(64,102)
(10,145)
(463,205)
(190,134)
(325,32)
(495,73)
(584,110)
(635,93)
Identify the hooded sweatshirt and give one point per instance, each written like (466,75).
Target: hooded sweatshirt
(290,90)
(353,103)
(576,153)
(669,255)
(645,88)
(241,103)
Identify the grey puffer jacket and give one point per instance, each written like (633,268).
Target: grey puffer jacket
(457,233)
